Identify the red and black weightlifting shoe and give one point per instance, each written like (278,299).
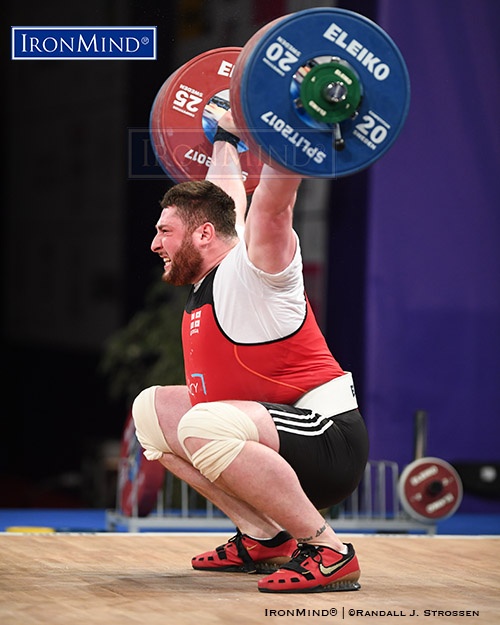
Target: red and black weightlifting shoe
(242,554)
(315,568)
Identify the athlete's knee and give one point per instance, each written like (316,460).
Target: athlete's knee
(147,426)
(227,429)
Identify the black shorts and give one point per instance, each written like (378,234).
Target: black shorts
(328,454)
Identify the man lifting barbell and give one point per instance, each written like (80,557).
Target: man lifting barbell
(268,427)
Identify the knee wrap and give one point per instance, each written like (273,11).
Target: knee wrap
(147,427)
(226,427)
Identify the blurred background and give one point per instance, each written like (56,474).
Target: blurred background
(402,261)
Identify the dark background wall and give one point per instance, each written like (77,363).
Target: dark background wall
(77,223)
(412,292)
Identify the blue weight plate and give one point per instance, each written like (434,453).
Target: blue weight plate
(265,79)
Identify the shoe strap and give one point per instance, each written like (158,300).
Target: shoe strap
(248,563)
(302,552)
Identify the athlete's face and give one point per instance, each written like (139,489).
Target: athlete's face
(182,261)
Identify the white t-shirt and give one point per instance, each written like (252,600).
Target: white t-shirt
(253,306)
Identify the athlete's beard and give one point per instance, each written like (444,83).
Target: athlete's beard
(185,266)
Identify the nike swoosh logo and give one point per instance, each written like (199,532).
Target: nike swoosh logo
(252,547)
(328,570)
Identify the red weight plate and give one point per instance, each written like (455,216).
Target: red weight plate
(185,113)
(139,480)
(430,489)
(160,145)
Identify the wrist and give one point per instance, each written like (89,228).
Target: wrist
(228,137)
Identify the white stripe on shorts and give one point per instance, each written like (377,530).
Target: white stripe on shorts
(313,425)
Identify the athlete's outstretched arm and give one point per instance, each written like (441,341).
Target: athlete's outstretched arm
(269,235)
(225,171)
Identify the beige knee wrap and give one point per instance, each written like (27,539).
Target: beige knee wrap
(227,428)
(147,428)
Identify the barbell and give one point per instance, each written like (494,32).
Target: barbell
(322,92)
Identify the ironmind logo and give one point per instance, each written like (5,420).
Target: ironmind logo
(84,43)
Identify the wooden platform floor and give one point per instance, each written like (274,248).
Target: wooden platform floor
(146,579)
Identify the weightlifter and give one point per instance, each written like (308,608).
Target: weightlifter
(267,427)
